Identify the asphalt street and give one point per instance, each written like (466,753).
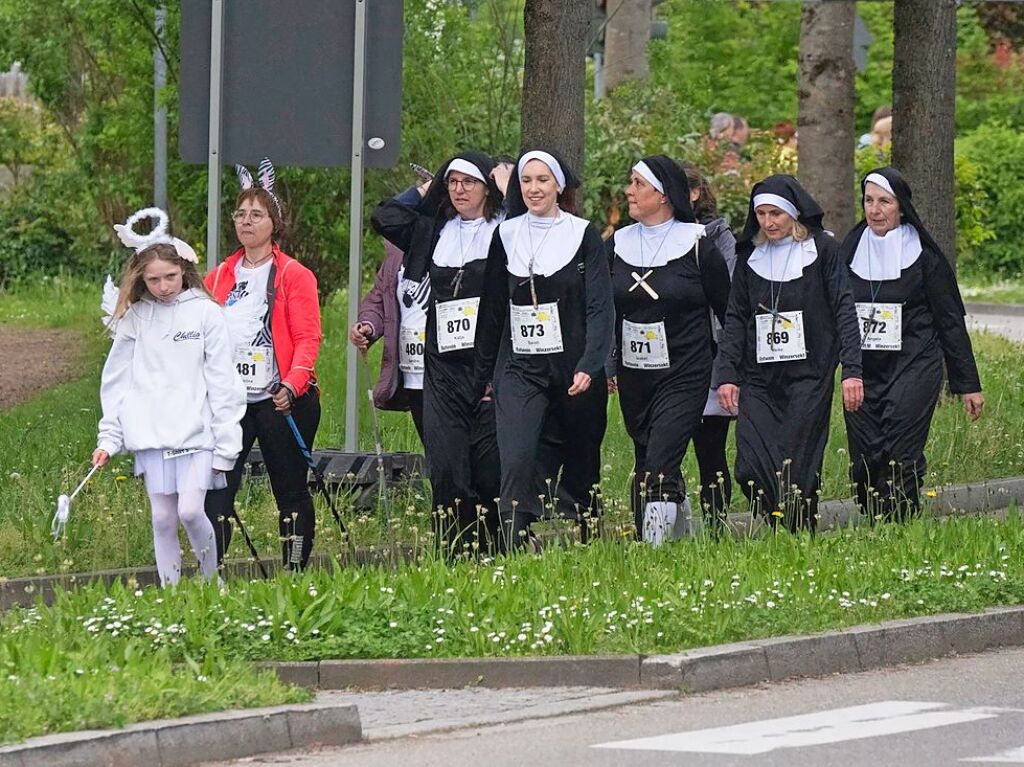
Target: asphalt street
(958,711)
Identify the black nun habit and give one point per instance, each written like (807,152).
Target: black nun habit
(458,429)
(664,278)
(791,319)
(912,318)
(547,314)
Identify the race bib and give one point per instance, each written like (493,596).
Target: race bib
(255,366)
(456,324)
(781,338)
(644,346)
(411,340)
(881,327)
(536,331)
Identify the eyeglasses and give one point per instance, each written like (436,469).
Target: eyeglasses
(467,184)
(253,215)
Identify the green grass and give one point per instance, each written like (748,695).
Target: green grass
(45,446)
(101,656)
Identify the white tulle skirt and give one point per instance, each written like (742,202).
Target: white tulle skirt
(193,471)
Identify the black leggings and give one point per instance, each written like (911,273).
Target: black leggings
(715,479)
(415,398)
(288,472)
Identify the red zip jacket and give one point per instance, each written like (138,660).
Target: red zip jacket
(295,323)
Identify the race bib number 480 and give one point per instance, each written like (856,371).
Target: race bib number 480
(411,340)
(536,330)
(881,327)
(780,337)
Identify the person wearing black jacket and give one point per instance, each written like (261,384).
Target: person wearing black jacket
(912,318)
(446,238)
(546,324)
(791,319)
(665,277)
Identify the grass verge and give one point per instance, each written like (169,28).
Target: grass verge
(45,445)
(105,656)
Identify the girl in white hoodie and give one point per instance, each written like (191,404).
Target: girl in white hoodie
(170,394)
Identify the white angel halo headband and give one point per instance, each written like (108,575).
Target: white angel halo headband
(156,236)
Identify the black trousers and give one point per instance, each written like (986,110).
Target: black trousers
(288,472)
(527,411)
(415,397)
(715,478)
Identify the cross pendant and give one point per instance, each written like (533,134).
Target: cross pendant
(640,283)
(457,283)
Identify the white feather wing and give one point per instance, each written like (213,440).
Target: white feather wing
(109,300)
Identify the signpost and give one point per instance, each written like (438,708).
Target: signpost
(295,82)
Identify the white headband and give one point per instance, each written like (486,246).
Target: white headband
(548,160)
(778,202)
(465,166)
(879,180)
(158,234)
(645,170)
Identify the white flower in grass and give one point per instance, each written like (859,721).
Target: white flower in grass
(265,637)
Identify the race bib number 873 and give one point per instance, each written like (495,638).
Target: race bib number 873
(536,330)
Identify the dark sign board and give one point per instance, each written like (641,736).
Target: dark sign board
(287,91)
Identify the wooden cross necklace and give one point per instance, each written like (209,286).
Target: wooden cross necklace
(456,282)
(640,280)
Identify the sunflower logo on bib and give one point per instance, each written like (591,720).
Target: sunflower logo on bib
(469,311)
(422,335)
(258,357)
(543,316)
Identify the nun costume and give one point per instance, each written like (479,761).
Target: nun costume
(791,319)
(546,318)
(665,276)
(450,253)
(911,319)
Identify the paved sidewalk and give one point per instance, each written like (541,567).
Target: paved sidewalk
(1009,325)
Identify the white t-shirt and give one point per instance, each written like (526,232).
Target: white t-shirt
(247,315)
(413,298)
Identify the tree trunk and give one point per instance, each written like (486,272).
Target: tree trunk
(924,111)
(554,77)
(825,109)
(625,41)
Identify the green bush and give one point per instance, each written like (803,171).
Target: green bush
(31,238)
(995,152)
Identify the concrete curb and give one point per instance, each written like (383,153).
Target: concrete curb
(1004,310)
(972,498)
(193,739)
(740,664)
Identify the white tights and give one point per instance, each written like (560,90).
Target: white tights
(167,511)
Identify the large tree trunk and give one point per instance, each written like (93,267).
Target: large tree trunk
(625,41)
(825,109)
(924,110)
(554,76)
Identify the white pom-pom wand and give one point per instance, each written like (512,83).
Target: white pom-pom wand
(60,519)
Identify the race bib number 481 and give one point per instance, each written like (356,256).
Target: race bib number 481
(254,366)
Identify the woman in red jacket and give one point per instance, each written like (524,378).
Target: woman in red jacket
(273,313)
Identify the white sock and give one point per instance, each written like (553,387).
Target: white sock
(165,537)
(197,526)
(659,519)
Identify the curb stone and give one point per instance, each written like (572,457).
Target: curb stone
(193,739)
(850,650)
(990,496)
(985,307)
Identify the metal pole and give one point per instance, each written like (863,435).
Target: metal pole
(355,243)
(598,76)
(213,161)
(159,117)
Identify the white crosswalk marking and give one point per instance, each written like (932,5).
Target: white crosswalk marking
(1013,756)
(834,726)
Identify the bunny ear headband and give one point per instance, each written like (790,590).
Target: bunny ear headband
(266,176)
(157,235)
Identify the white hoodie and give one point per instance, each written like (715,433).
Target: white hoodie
(170,381)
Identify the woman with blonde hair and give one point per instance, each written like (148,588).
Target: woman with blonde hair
(791,320)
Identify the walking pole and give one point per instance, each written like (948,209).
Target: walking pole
(249,543)
(321,485)
(377,444)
